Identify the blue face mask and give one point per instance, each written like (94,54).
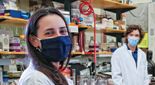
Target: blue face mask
(56,49)
(133,41)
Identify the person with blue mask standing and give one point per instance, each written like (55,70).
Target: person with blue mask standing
(129,64)
(49,46)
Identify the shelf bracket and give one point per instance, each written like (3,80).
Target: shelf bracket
(119,11)
(67,4)
(1,20)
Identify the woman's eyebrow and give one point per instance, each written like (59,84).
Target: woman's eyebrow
(48,29)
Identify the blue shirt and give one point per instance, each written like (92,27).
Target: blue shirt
(134,54)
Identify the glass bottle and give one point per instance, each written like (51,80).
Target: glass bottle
(22,43)
(91,45)
(125,22)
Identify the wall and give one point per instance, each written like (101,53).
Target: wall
(142,20)
(141,1)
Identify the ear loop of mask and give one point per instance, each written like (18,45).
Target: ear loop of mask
(38,46)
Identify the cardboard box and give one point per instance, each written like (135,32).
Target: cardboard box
(119,23)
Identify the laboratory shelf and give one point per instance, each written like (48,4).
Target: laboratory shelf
(112,6)
(5,52)
(106,30)
(63,1)
(12,77)
(2,52)
(115,33)
(90,53)
(91,29)
(82,28)
(19,61)
(108,4)
(10,21)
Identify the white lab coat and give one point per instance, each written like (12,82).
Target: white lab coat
(124,70)
(32,76)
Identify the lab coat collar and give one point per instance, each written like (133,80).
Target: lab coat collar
(135,50)
(31,64)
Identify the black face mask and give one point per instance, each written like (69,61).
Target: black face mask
(56,49)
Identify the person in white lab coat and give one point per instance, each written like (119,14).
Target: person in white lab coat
(48,45)
(129,64)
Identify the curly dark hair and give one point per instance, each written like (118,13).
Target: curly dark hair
(130,29)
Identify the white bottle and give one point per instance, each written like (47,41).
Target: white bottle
(104,22)
(130,2)
(107,23)
(110,25)
(124,1)
(123,19)
(121,1)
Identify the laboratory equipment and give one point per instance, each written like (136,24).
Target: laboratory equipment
(151,64)
(22,43)
(10,68)
(110,23)
(123,19)
(104,22)
(91,45)
(1,76)
(4,42)
(101,81)
(5,82)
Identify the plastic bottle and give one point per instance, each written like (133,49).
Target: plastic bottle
(123,19)
(120,1)
(77,47)
(5,82)
(22,43)
(104,22)
(130,2)
(110,23)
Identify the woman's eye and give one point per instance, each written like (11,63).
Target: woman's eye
(131,34)
(63,31)
(48,33)
(137,35)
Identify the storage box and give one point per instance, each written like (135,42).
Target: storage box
(25,17)
(105,46)
(119,23)
(23,13)
(15,47)
(1,12)
(13,13)
(10,68)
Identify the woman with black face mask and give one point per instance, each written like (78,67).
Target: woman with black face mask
(48,45)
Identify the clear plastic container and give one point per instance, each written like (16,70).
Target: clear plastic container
(104,22)
(22,43)
(110,24)
(123,19)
